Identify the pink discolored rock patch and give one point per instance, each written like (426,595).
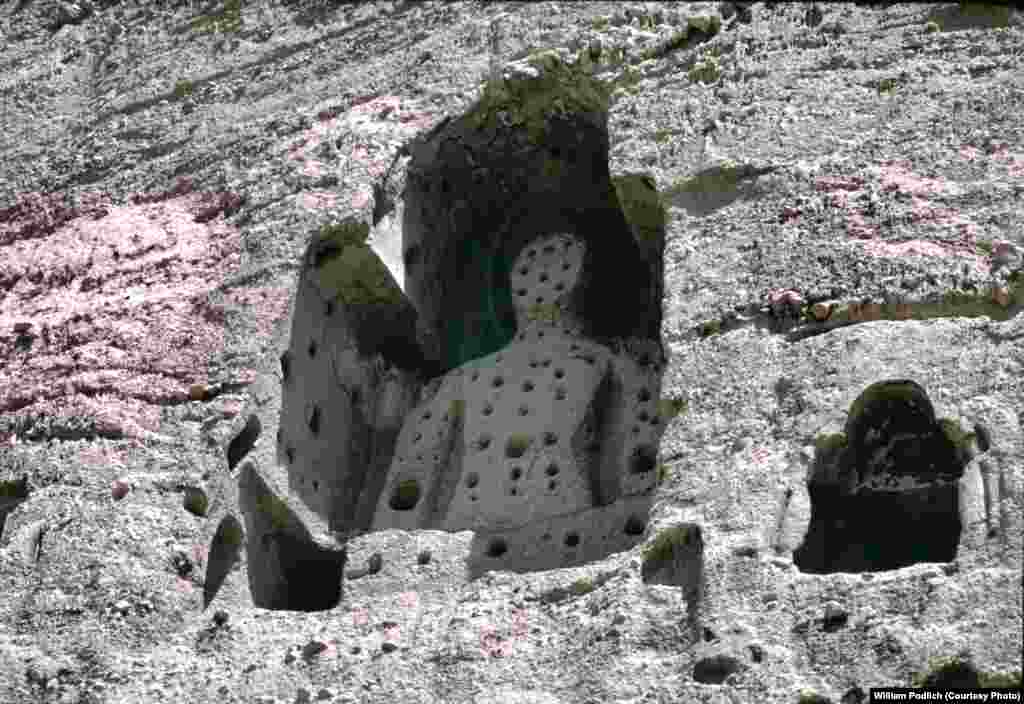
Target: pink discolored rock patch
(911,198)
(898,177)
(119,489)
(104,310)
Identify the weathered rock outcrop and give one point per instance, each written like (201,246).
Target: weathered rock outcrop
(246,248)
(490,378)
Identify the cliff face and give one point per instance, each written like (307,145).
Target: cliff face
(243,248)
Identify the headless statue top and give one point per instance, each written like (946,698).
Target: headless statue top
(503,440)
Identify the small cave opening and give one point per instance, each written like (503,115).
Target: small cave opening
(310,576)
(634,526)
(288,571)
(496,547)
(884,493)
(242,444)
(405,495)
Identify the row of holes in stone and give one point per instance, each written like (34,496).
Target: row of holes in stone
(401,503)
(634,526)
(642,463)
(484,441)
(560,393)
(406,494)
(515,446)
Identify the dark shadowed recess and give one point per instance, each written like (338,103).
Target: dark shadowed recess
(470,210)
(287,569)
(242,444)
(887,496)
(224,553)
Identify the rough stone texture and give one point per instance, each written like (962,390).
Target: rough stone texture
(836,189)
(542,428)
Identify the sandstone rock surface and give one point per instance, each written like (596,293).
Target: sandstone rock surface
(245,248)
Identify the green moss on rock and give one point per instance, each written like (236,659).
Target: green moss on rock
(1001,680)
(456,409)
(517,444)
(961,439)
(971,15)
(907,392)
(406,495)
(827,444)
(14,488)
(1016,288)
(712,327)
(195,501)
(708,24)
(229,532)
(669,408)
(957,305)
(721,178)
(887,85)
(349,270)
(583,585)
(958,672)
(662,549)
(227,19)
(334,238)
(840,313)
(956,298)
(544,312)
(706,70)
(954,433)
(550,87)
(275,510)
(629,78)
(183,89)
(638,197)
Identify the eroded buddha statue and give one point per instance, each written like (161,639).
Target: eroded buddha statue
(538,430)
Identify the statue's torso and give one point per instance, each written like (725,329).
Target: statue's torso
(517,443)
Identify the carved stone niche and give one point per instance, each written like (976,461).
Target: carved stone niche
(488,357)
(885,492)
